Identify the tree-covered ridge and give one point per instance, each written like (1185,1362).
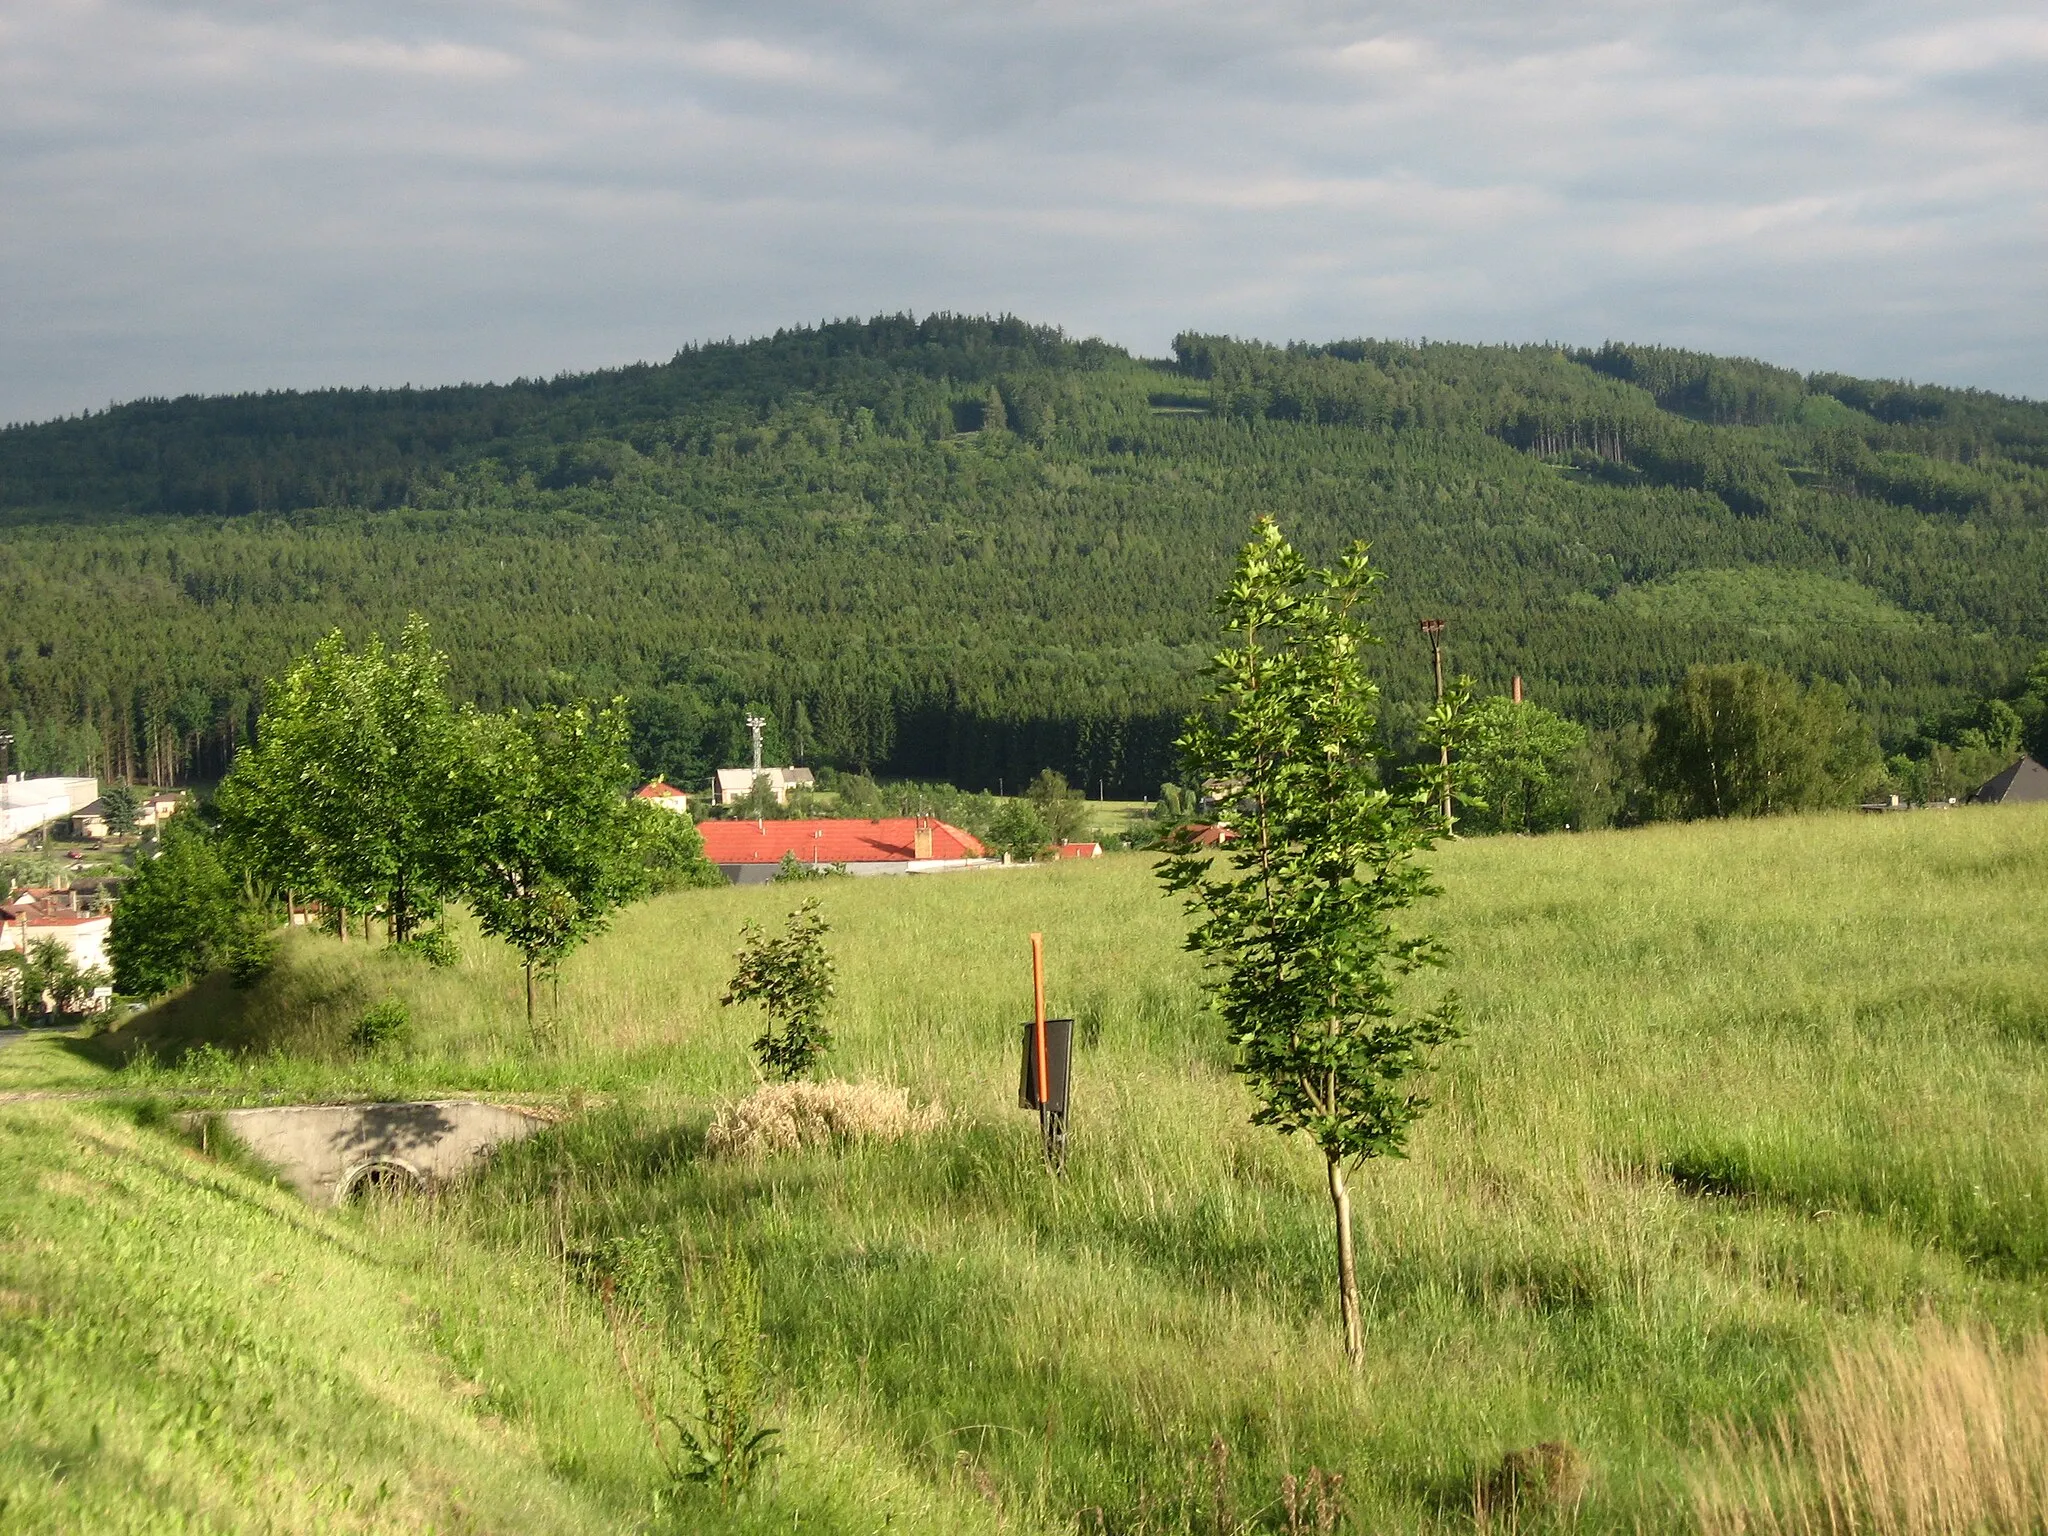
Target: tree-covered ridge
(968,549)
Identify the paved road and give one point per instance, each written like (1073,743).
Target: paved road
(34,1032)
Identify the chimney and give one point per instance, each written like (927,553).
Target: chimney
(1518,687)
(921,840)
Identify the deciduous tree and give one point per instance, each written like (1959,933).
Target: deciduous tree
(1295,913)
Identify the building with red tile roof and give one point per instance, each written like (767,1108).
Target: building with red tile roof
(750,852)
(665,795)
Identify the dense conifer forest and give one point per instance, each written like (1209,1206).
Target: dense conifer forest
(967,549)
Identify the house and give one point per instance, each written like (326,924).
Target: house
(731,784)
(1078,851)
(750,852)
(159,808)
(667,796)
(150,811)
(30,916)
(26,804)
(2025,782)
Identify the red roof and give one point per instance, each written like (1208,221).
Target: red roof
(834,841)
(1078,851)
(659,791)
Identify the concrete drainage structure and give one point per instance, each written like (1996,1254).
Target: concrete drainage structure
(331,1153)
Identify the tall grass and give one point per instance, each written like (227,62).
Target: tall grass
(1734,1097)
(1946,1434)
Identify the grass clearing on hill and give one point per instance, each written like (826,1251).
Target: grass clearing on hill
(1734,1097)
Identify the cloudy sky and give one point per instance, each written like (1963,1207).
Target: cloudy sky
(228,196)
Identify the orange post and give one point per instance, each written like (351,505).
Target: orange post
(1038,1086)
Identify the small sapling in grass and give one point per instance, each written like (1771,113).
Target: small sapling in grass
(1294,912)
(791,977)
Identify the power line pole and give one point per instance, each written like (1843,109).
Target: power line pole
(1433,631)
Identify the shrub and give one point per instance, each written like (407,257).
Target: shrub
(382,1024)
(791,978)
(789,1117)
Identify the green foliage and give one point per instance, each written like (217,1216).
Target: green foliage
(1515,773)
(1019,831)
(51,973)
(791,977)
(544,843)
(793,870)
(181,914)
(1742,740)
(120,802)
(387,1023)
(671,850)
(728,1444)
(810,525)
(1295,914)
(345,793)
(1063,810)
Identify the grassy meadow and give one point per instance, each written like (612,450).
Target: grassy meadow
(1738,1101)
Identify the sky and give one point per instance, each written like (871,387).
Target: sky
(243,196)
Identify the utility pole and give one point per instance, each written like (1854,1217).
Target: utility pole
(6,788)
(756,725)
(1433,631)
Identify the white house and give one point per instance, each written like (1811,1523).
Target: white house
(731,784)
(31,916)
(667,796)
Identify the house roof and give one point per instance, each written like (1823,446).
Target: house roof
(660,791)
(2026,780)
(1078,851)
(888,840)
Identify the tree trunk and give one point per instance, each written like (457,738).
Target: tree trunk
(1347,1268)
(341,923)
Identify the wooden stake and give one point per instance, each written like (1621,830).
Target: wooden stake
(1038,1014)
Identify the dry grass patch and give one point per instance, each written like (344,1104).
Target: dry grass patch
(1947,1435)
(788,1117)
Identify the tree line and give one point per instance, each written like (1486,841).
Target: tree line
(368,794)
(962,550)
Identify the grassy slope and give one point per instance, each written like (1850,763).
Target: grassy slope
(1732,1093)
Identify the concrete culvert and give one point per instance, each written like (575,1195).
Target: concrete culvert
(382,1180)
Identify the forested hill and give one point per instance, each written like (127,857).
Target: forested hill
(967,549)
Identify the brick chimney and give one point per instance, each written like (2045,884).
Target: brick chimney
(1518,687)
(921,840)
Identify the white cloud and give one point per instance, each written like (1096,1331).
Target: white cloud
(245,194)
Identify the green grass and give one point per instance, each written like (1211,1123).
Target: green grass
(1732,1094)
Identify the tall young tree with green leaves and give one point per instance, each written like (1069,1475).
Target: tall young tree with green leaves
(543,839)
(345,793)
(1296,911)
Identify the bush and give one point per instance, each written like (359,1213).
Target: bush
(382,1024)
(789,1117)
(436,946)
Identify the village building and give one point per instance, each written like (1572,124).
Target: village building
(729,785)
(1078,851)
(151,811)
(35,914)
(664,795)
(751,852)
(2024,783)
(26,804)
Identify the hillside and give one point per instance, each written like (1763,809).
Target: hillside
(1734,1095)
(967,549)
